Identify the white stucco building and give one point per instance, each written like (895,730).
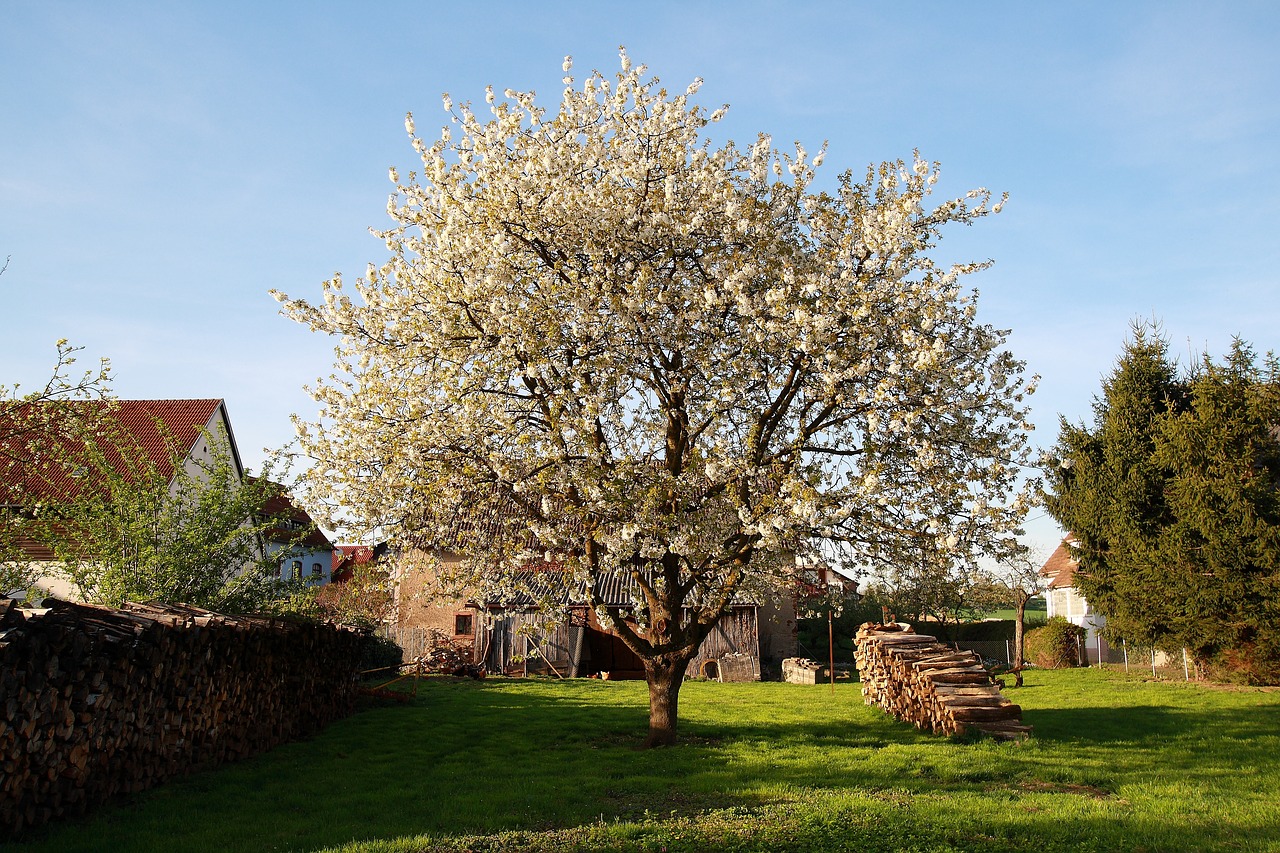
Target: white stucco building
(1064,599)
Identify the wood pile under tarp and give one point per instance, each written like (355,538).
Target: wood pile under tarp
(96,702)
(932,685)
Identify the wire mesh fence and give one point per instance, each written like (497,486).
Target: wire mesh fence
(999,651)
(1159,663)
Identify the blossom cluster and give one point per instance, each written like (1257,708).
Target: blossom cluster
(599,336)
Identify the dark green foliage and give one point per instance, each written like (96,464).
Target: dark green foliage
(1112,494)
(984,631)
(1055,644)
(812,631)
(1222,543)
(1172,495)
(380,653)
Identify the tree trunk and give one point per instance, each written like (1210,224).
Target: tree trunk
(1018,623)
(665,674)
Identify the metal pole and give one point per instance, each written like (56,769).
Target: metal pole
(1153,661)
(831,650)
(1186,671)
(1124,644)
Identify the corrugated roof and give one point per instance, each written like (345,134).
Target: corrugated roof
(615,589)
(160,429)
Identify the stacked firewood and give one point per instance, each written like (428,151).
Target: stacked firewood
(95,702)
(922,681)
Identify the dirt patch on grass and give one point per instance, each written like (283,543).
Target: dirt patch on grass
(1040,786)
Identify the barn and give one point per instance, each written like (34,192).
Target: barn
(517,637)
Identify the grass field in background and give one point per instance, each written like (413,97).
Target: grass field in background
(1037,613)
(1117,763)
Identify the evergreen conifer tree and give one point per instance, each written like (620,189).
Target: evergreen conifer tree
(1220,549)
(1173,495)
(1109,491)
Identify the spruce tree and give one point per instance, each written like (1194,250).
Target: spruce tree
(1221,546)
(1108,489)
(1173,495)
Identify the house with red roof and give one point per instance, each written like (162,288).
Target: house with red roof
(1065,600)
(166,433)
(347,557)
(305,553)
(162,430)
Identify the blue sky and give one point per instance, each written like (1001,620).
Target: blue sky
(162,165)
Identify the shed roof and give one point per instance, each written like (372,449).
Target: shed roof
(615,589)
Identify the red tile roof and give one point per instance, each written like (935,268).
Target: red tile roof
(1060,566)
(161,429)
(347,557)
(282,506)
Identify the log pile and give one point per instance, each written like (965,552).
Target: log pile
(96,702)
(802,671)
(931,685)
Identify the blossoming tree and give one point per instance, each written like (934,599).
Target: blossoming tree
(601,337)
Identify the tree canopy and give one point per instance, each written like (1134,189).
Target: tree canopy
(1173,495)
(601,337)
(180,529)
(32,425)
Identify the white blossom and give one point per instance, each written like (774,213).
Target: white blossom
(600,328)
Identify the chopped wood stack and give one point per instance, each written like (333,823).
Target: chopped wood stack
(922,681)
(95,702)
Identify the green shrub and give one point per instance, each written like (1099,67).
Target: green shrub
(1055,644)
(380,652)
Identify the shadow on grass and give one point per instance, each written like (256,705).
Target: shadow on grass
(497,755)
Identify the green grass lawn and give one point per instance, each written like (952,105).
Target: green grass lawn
(1116,763)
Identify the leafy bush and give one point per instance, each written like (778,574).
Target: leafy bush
(380,652)
(1055,644)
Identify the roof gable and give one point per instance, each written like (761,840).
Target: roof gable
(1060,566)
(292,521)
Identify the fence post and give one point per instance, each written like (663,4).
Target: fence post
(1008,652)
(1153,661)
(1124,644)
(1186,671)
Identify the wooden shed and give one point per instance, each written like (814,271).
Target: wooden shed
(517,639)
